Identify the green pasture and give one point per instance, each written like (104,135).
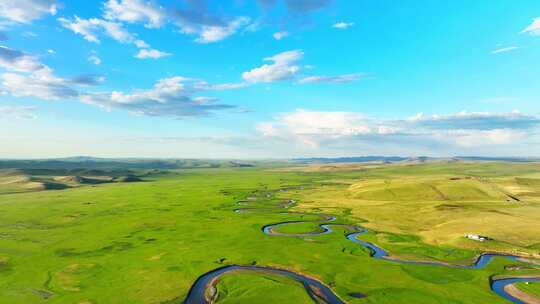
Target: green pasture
(147,242)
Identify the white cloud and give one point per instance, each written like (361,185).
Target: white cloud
(302,122)
(141,44)
(174,97)
(14,60)
(195,19)
(477,121)
(214,33)
(280,35)
(171,97)
(25,11)
(91,28)
(94,59)
(534,28)
(42,84)
(330,79)
(504,49)
(51,51)
(484,137)
(343,25)
(316,129)
(133,11)
(84,27)
(284,67)
(151,53)
(27,77)
(19,112)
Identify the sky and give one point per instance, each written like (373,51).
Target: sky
(269,78)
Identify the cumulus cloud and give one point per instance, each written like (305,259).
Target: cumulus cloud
(151,53)
(504,49)
(42,84)
(25,11)
(476,138)
(330,79)
(192,20)
(15,60)
(149,13)
(308,125)
(172,97)
(280,35)
(197,19)
(534,28)
(284,67)
(477,121)
(317,129)
(27,77)
(19,112)
(343,25)
(92,28)
(209,34)
(208,28)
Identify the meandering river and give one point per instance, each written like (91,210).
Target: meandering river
(203,291)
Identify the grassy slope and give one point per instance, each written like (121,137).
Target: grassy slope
(442,202)
(28,180)
(148,242)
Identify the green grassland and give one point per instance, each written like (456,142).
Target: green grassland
(532,288)
(248,287)
(147,242)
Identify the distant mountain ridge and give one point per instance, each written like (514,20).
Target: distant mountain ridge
(88,162)
(393,159)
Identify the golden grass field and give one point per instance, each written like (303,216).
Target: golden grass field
(438,202)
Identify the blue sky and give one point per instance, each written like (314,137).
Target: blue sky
(283,78)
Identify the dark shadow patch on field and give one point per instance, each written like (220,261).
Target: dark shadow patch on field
(114,247)
(357,295)
(501,212)
(174,269)
(451,207)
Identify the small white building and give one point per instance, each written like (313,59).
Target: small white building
(477,237)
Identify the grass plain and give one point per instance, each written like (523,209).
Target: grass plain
(532,288)
(147,242)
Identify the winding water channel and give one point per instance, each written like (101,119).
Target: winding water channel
(204,289)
